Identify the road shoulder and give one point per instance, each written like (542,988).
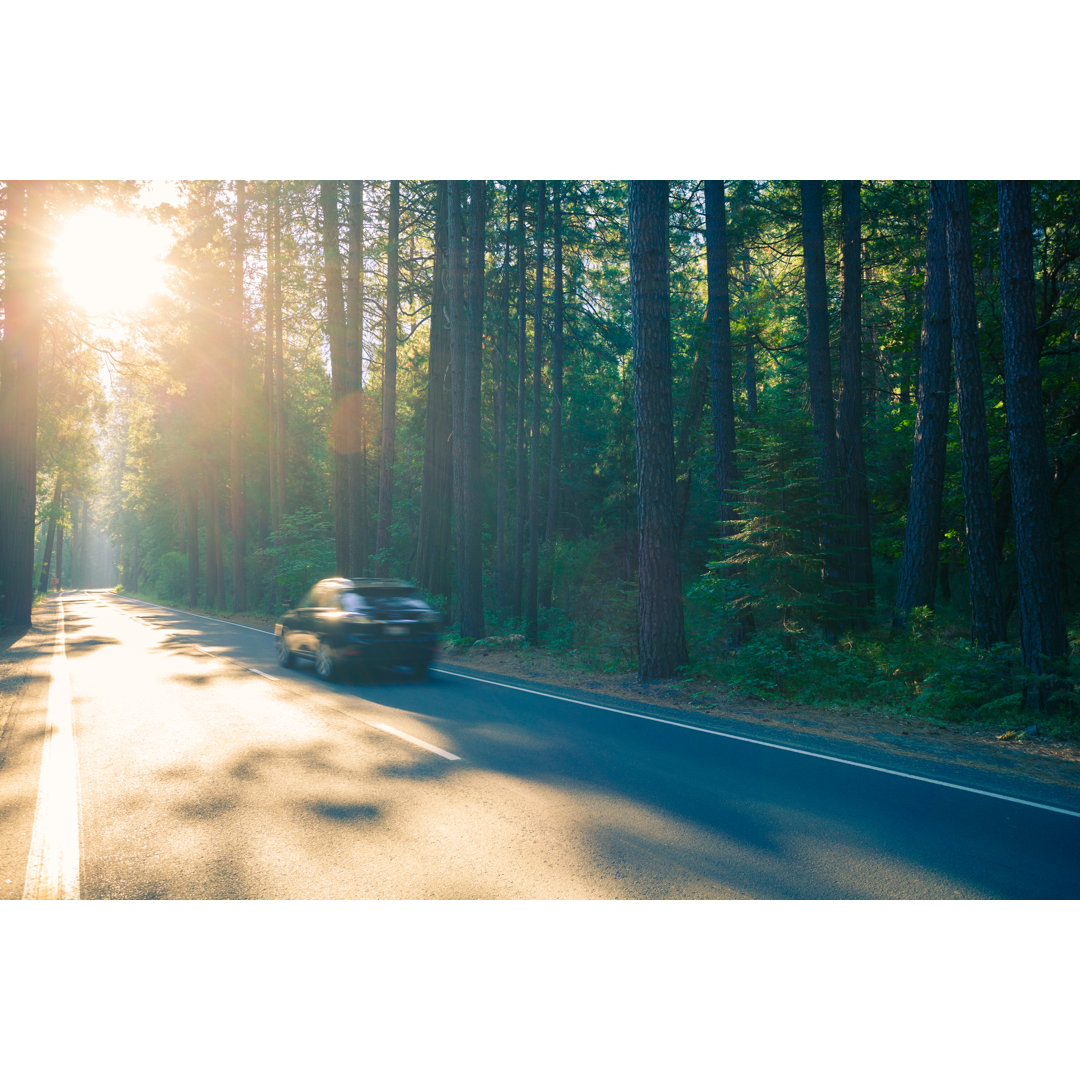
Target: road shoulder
(1041,770)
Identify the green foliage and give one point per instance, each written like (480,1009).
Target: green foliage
(299,553)
(771,566)
(931,671)
(594,612)
(171,577)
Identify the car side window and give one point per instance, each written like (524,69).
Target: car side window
(325,598)
(350,601)
(308,600)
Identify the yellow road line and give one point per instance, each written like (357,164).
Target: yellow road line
(52,869)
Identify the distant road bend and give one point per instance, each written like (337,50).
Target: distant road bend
(153,753)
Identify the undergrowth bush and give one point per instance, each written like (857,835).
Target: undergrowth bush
(171,578)
(930,671)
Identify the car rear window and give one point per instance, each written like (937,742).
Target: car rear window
(383,592)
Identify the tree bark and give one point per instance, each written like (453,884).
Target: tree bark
(60,551)
(24,228)
(502,562)
(389,383)
(50,535)
(719,325)
(521,491)
(556,404)
(749,360)
(819,375)
(987,612)
(854,501)
(214,596)
(335,316)
(457,383)
(436,493)
(919,562)
(472,597)
(532,583)
(354,347)
(661,635)
(1043,641)
(238,369)
(270,390)
(191,524)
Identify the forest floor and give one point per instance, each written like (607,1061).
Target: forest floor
(1037,758)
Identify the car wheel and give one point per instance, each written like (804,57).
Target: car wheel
(286,657)
(325,666)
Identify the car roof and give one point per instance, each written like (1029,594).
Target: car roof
(367,583)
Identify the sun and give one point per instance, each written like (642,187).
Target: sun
(111,264)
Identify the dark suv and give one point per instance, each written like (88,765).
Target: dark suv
(360,622)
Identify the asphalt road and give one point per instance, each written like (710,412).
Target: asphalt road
(157,754)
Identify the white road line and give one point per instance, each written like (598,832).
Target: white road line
(52,869)
(196,615)
(413,739)
(256,671)
(762,742)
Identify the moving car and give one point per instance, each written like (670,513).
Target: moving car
(353,623)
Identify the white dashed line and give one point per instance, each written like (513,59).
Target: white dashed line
(413,739)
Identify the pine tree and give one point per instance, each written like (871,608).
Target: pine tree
(389,384)
(987,613)
(661,635)
(919,561)
(851,459)
(1042,622)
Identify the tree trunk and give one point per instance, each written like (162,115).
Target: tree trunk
(1043,641)
(686,439)
(721,377)
(819,375)
(270,390)
(532,583)
(60,551)
(855,503)
(919,563)
(436,493)
(502,562)
(987,613)
(389,383)
(238,368)
(661,635)
(354,348)
(191,524)
(76,544)
(749,361)
(457,383)
(472,596)
(719,324)
(556,406)
(50,535)
(521,492)
(24,227)
(215,595)
(335,315)
(279,368)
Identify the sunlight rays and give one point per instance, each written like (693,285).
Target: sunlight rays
(111,264)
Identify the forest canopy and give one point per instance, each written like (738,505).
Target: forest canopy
(801,439)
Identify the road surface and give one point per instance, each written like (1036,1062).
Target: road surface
(154,754)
